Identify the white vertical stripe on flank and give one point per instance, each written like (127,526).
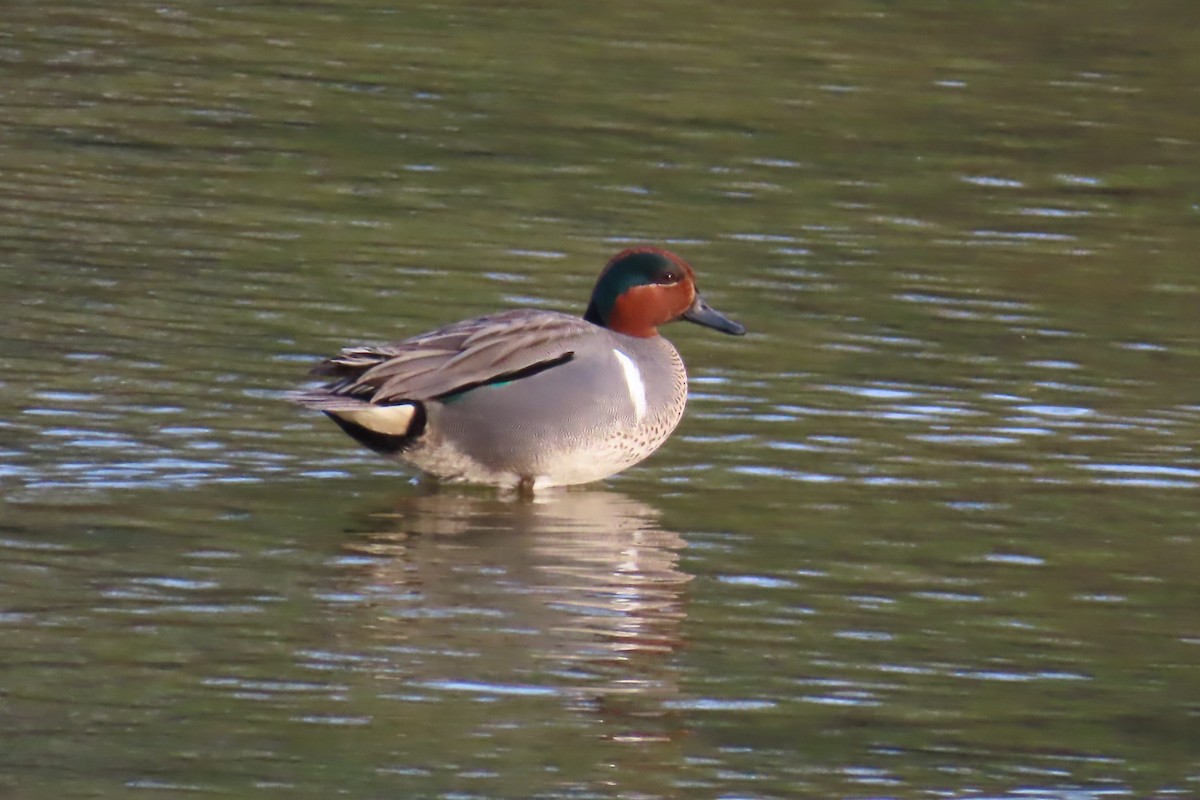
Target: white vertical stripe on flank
(633,382)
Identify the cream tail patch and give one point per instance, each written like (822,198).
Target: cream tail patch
(389,420)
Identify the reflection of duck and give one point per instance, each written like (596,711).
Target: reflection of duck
(575,597)
(492,645)
(575,593)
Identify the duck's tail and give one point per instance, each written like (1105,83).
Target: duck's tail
(385,428)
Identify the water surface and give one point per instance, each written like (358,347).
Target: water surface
(928,531)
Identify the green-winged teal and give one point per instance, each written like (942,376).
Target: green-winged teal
(529,398)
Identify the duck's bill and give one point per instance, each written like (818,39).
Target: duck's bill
(702,313)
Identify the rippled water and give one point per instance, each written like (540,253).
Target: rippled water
(930,530)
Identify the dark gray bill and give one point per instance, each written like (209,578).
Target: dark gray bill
(702,313)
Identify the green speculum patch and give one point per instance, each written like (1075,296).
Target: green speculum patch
(503,378)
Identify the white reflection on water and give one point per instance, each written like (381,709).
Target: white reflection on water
(575,594)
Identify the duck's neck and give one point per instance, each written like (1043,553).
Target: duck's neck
(592,315)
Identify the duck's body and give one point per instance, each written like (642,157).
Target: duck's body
(526,397)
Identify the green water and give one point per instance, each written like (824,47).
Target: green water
(929,531)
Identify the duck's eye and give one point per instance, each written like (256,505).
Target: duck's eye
(670,276)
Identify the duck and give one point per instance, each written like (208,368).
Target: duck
(529,398)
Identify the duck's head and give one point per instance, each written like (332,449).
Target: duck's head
(644,287)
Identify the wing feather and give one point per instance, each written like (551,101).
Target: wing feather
(450,359)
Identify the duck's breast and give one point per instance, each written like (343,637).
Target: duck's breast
(610,406)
